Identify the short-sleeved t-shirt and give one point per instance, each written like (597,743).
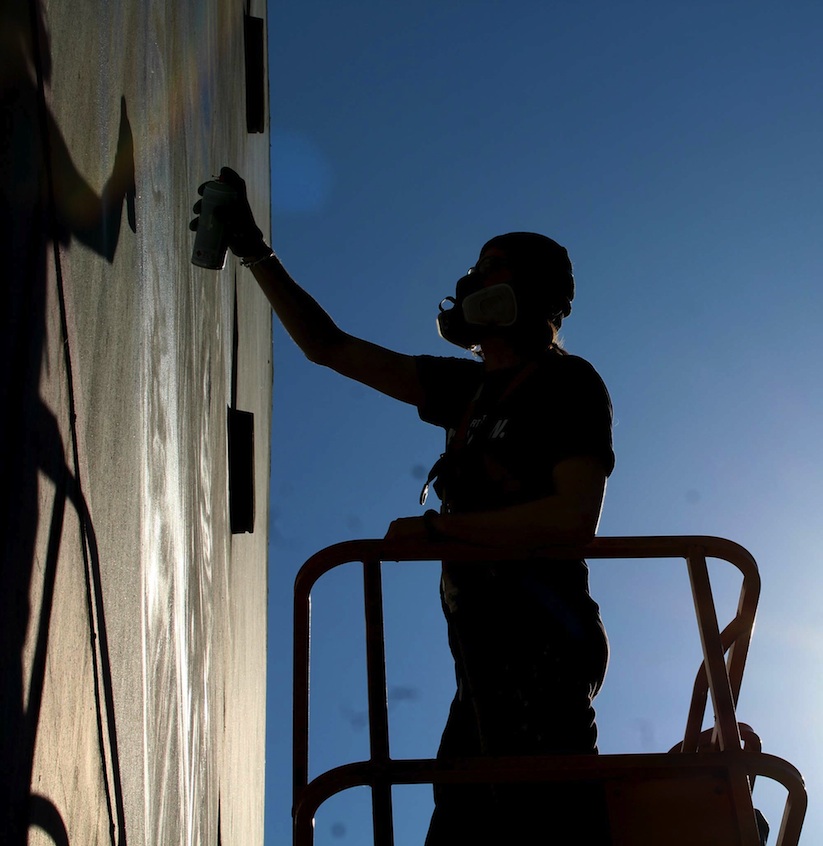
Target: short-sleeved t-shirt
(521,424)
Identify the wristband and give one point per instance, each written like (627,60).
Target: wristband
(433,533)
(252,262)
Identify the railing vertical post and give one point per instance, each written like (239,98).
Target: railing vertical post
(713,653)
(378,703)
(303,829)
(746,609)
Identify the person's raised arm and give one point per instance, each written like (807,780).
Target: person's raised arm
(311,328)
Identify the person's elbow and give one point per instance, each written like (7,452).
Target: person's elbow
(324,348)
(318,354)
(583,527)
(581,486)
(570,527)
(564,523)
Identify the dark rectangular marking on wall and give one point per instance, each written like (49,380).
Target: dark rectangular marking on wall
(255,40)
(241,470)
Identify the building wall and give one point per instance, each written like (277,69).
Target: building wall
(133,621)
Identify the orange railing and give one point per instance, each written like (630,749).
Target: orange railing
(720,676)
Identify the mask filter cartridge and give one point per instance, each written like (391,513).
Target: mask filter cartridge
(492,306)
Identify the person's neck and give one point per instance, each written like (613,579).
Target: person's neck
(500,355)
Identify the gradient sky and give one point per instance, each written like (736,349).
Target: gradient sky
(675,149)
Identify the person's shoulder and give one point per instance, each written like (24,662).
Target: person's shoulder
(571,366)
(574,374)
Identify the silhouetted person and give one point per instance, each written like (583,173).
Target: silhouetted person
(528,451)
(43,200)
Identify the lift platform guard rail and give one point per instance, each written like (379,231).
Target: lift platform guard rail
(698,793)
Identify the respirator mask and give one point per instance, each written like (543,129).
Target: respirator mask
(476,310)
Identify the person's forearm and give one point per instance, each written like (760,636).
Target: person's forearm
(307,323)
(544,522)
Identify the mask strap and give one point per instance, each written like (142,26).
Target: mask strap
(458,442)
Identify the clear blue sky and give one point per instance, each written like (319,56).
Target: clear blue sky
(675,149)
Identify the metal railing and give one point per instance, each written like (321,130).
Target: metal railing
(720,676)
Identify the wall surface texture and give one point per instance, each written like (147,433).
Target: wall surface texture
(132,619)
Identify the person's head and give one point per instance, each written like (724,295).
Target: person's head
(520,289)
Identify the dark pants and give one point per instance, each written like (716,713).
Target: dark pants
(526,680)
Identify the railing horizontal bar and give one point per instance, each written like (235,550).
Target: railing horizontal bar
(658,765)
(607,547)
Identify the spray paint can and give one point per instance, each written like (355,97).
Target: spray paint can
(210,242)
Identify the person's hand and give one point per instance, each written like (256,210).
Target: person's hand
(242,233)
(407,529)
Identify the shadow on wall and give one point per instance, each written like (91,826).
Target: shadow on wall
(44,204)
